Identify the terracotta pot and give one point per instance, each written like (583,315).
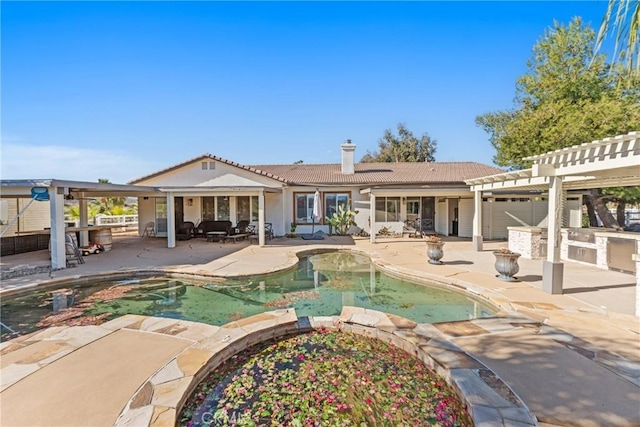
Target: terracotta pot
(435,252)
(507,265)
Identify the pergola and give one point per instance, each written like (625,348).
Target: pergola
(610,162)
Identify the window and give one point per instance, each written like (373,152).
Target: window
(161,214)
(254,208)
(204,166)
(303,208)
(387,209)
(333,200)
(247,208)
(208,209)
(222,208)
(215,208)
(413,208)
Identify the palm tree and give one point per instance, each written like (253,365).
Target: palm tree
(623,20)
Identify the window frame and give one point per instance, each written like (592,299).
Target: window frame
(395,200)
(309,207)
(325,208)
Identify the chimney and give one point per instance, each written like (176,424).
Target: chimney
(347,157)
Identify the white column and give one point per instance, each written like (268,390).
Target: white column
(56,206)
(372,217)
(286,227)
(171,221)
(477,221)
(84,220)
(636,258)
(552,270)
(261,236)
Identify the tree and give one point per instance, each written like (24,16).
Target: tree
(112,205)
(568,96)
(622,19)
(402,148)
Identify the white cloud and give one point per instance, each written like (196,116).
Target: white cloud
(20,161)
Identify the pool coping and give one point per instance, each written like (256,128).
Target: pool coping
(158,401)
(537,313)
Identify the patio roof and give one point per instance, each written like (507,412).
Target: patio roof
(610,162)
(22,188)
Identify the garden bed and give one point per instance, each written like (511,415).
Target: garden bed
(324,378)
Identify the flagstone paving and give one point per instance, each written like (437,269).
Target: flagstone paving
(571,362)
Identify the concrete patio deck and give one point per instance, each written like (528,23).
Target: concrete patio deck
(578,365)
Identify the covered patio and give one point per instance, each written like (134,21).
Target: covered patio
(610,162)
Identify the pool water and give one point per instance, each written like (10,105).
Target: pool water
(320,286)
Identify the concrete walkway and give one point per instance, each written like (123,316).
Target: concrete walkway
(579,366)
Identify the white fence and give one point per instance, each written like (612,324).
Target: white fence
(126,221)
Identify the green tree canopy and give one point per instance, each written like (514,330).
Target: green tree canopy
(568,97)
(405,147)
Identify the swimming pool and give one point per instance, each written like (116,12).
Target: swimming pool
(321,285)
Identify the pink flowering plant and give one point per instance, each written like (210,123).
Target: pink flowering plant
(324,379)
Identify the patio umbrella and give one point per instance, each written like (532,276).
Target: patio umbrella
(317,210)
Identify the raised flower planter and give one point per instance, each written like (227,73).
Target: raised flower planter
(435,250)
(506,264)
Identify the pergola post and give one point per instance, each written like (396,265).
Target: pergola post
(57,243)
(477,221)
(84,220)
(171,221)
(261,236)
(552,268)
(372,218)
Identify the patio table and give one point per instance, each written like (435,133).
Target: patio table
(214,236)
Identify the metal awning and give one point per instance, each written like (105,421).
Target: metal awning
(22,188)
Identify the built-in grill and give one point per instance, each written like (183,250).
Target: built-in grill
(620,247)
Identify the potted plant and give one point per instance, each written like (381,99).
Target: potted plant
(434,249)
(506,264)
(293,229)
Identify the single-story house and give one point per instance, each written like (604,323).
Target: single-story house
(385,195)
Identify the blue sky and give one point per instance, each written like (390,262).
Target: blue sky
(120,89)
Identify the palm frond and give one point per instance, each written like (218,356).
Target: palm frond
(622,21)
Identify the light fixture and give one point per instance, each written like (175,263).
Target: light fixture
(189,202)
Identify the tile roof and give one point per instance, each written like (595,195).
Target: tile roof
(365,173)
(200,158)
(381,173)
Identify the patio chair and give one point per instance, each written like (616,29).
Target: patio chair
(410,228)
(185,231)
(149,229)
(240,228)
(268,231)
(426,226)
(252,231)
